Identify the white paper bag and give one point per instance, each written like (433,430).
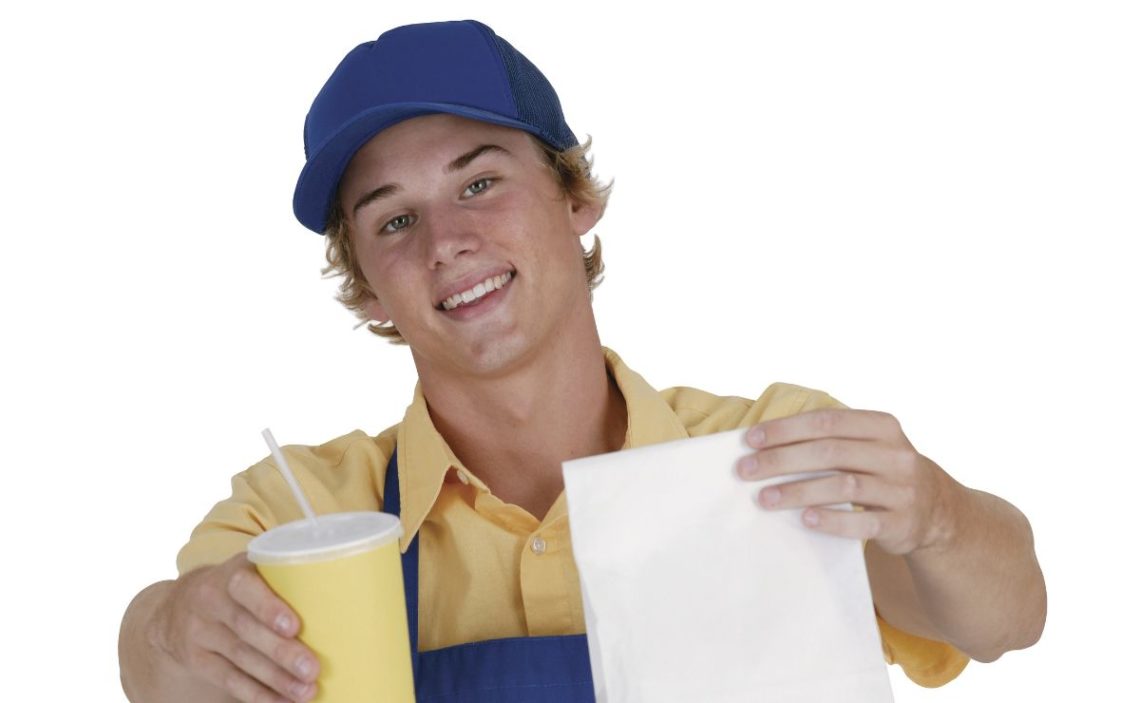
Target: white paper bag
(693,593)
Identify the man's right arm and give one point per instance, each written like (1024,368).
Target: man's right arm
(216,634)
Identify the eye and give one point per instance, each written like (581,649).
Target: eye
(478,186)
(397,223)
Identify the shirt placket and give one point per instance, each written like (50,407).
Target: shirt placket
(542,580)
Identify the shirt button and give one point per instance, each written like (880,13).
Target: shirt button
(538,545)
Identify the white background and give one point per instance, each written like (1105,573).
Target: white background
(929,209)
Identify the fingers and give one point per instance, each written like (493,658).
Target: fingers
(889,530)
(822,455)
(882,520)
(251,592)
(844,487)
(817,424)
(268,626)
(236,682)
(871,464)
(866,525)
(888,517)
(222,621)
(285,654)
(246,671)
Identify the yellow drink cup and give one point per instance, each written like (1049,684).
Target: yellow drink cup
(342,576)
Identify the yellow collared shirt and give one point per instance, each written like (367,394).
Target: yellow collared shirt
(494,569)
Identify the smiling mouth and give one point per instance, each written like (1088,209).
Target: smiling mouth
(477,292)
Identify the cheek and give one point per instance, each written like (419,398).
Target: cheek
(543,218)
(376,260)
(382,275)
(504,208)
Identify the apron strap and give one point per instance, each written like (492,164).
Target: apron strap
(410,559)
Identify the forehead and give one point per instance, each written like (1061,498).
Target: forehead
(433,141)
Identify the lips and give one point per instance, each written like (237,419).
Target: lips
(473,293)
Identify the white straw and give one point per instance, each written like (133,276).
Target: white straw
(283,467)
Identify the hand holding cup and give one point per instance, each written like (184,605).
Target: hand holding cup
(223,624)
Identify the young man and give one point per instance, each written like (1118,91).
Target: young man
(440,165)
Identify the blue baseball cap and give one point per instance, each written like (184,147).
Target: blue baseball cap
(459,68)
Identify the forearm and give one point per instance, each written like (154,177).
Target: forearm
(149,674)
(979,582)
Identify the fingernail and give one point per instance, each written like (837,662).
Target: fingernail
(770,496)
(304,666)
(811,517)
(755,436)
(282,624)
(302,691)
(746,467)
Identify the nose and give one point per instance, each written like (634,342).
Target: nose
(448,234)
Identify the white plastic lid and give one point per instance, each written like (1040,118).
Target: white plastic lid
(334,536)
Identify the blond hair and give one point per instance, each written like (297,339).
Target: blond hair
(571,169)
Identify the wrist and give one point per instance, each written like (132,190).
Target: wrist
(143,664)
(156,622)
(947,515)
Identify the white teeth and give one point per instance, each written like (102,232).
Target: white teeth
(480,289)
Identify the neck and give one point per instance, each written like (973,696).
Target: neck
(514,430)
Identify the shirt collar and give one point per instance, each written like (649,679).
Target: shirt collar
(651,419)
(419,444)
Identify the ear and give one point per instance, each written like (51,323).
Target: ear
(583,217)
(376,311)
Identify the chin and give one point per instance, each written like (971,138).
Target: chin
(487,358)
(496,357)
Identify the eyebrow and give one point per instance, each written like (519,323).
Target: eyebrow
(475,153)
(460,162)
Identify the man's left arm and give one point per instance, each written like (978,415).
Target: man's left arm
(945,561)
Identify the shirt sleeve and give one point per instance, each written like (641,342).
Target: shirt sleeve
(342,475)
(233,522)
(928,663)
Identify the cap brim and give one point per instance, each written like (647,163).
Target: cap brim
(320,178)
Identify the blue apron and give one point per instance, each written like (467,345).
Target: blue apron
(513,670)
